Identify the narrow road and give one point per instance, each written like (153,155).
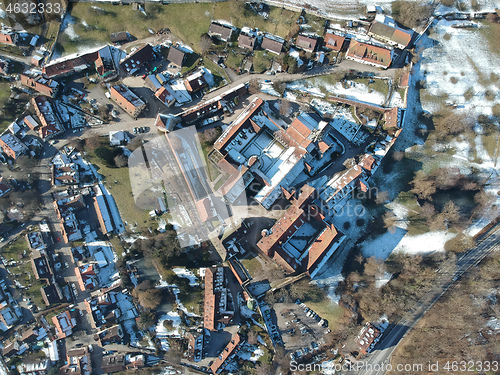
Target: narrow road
(378,362)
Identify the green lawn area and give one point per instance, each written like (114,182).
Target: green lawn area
(234,60)
(252,265)
(51,36)
(5,120)
(117,244)
(122,193)
(186,21)
(193,300)
(218,73)
(327,310)
(23,272)
(262,60)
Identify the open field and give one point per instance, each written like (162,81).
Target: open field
(94,23)
(122,193)
(5,120)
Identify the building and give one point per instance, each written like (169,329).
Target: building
(105,64)
(176,56)
(12,146)
(302,240)
(86,276)
(38,83)
(64,324)
(389,33)
(219,306)
(272,43)
(247,41)
(267,155)
(220,31)
(369,54)
(306,42)
(51,294)
(31,123)
(166,122)
(68,65)
(66,209)
(118,138)
(137,59)
(334,42)
(113,363)
(40,265)
(393,118)
(227,354)
(119,37)
(195,82)
(37,59)
(11,348)
(111,335)
(8,317)
(195,346)
(4,188)
(50,124)
(127,100)
(367,338)
(35,241)
(165,95)
(78,362)
(39,368)
(8,35)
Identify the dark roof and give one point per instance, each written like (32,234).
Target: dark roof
(220,31)
(140,56)
(176,56)
(306,42)
(119,37)
(272,43)
(246,41)
(396,35)
(49,294)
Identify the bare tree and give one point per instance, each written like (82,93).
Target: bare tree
(390,221)
(285,108)
(93,142)
(423,187)
(252,337)
(121,161)
(205,43)
(253,87)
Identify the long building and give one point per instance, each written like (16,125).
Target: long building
(127,100)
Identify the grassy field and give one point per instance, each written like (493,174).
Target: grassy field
(51,36)
(252,265)
(94,23)
(327,310)
(492,33)
(262,60)
(4,95)
(22,272)
(325,83)
(122,193)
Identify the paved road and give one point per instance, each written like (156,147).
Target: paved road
(377,362)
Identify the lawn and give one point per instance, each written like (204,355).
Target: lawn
(117,180)
(193,300)
(253,266)
(218,73)
(262,60)
(187,21)
(327,310)
(234,60)
(51,35)
(492,33)
(18,247)
(5,120)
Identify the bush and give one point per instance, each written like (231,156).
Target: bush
(107,154)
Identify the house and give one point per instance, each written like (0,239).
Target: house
(272,43)
(176,56)
(40,265)
(113,363)
(389,33)
(51,294)
(220,31)
(369,54)
(102,210)
(12,146)
(78,362)
(119,37)
(8,317)
(39,368)
(306,42)
(69,65)
(105,64)
(35,241)
(392,118)
(31,123)
(127,100)
(247,41)
(195,345)
(367,338)
(227,354)
(334,42)
(86,276)
(301,240)
(11,348)
(30,335)
(219,307)
(4,66)
(8,35)
(37,59)
(165,95)
(111,335)
(137,59)
(118,138)
(38,83)
(166,122)
(404,80)
(195,82)
(50,124)
(64,324)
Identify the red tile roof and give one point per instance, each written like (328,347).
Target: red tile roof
(333,42)
(369,53)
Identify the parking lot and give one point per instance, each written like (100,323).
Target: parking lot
(301,334)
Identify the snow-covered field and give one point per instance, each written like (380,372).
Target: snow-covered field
(458,64)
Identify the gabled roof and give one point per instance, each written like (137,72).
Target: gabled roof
(220,31)
(273,43)
(370,53)
(176,56)
(306,42)
(246,41)
(333,42)
(396,35)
